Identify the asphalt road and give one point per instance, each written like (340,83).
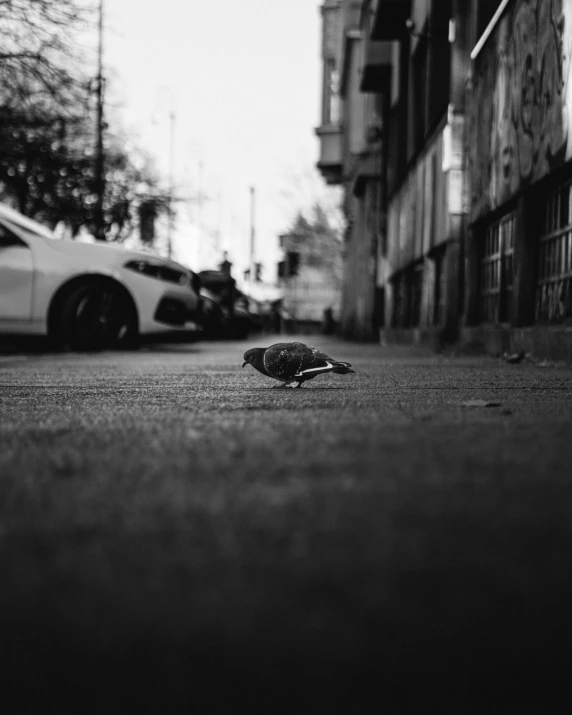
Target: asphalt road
(176,536)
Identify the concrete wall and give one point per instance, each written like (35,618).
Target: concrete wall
(358,305)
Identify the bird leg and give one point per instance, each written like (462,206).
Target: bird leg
(299,384)
(281,385)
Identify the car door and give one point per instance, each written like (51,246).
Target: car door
(16,277)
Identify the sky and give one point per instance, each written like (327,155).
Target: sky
(241,79)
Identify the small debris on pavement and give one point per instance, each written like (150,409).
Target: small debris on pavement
(550,363)
(481,403)
(514,357)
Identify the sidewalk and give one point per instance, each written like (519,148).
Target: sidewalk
(176,532)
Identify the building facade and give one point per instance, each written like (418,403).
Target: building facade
(519,152)
(310,274)
(454,151)
(351,155)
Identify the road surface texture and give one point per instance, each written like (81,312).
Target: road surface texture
(176,536)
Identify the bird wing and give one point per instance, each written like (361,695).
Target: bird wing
(326,358)
(318,354)
(289,361)
(285,361)
(313,362)
(278,360)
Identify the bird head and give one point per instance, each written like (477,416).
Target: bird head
(251,356)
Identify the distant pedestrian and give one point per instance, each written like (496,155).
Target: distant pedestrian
(276,318)
(328,323)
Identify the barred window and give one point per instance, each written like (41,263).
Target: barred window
(496,276)
(439,287)
(554,289)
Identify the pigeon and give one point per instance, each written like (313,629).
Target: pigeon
(293,363)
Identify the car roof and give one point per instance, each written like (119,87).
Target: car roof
(27,223)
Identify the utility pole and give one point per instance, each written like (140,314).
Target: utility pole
(200,197)
(171,181)
(99,156)
(252,235)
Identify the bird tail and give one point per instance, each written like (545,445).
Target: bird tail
(342,368)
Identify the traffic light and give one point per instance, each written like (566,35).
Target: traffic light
(258,272)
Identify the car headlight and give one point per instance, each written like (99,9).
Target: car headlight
(159,271)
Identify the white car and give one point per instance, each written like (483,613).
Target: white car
(88,296)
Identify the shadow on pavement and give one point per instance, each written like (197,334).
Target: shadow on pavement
(28,345)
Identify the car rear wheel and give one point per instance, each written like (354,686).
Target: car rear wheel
(97,316)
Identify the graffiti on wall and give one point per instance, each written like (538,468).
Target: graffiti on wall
(519,116)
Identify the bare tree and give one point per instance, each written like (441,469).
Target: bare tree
(304,190)
(36,49)
(48,129)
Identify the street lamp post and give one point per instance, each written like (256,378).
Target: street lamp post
(252,234)
(171,180)
(171,167)
(99,153)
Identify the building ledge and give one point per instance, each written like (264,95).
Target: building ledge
(331,173)
(538,343)
(541,342)
(330,163)
(329,129)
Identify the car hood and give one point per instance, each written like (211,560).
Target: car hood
(108,253)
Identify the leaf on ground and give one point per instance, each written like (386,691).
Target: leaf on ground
(515,358)
(481,403)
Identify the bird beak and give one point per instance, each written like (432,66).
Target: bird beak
(244,363)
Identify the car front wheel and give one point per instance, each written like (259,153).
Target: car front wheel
(97,316)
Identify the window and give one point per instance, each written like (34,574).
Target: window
(416,289)
(439,60)
(554,290)
(439,287)
(9,239)
(379,307)
(293,259)
(399,301)
(407,297)
(393,147)
(496,275)
(418,94)
(330,93)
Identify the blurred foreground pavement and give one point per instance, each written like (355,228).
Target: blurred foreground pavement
(175,536)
